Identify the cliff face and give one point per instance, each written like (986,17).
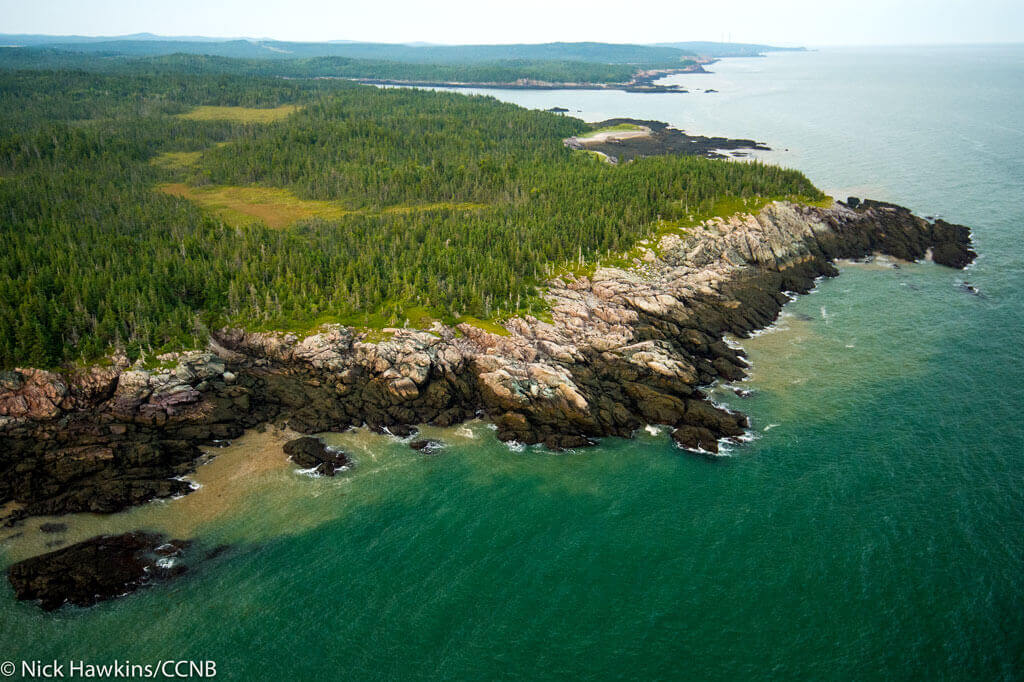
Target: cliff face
(625,348)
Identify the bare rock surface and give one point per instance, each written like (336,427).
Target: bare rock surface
(311,453)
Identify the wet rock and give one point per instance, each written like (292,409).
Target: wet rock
(402,430)
(97,569)
(311,453)
(426,446)
(695,438)
(970,288)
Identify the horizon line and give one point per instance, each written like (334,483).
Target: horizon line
(426,43)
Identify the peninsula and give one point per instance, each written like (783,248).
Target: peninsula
(204,255)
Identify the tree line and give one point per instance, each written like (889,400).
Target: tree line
(94,257)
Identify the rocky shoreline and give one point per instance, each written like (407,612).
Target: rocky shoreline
(661,139)
(642,81)
(625,348)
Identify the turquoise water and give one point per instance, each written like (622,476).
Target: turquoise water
(874,529)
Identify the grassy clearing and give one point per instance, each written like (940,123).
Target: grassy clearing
(277,207)
(600,156)
(176,160)
(622,127)
(240,114)
(487,325)
(238,206)
(179,161)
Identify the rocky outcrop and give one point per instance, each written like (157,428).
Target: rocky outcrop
(623,348)
(660,139)
(426,445)
(97,569)
(311,453)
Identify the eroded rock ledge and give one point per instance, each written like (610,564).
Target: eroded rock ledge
(625,348)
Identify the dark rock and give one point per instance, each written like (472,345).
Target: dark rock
(97,569)
(311,453)
(426,446)
(53,527)
(402,430)
(695,438)
(952,245)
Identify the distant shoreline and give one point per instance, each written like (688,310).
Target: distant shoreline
(642,81)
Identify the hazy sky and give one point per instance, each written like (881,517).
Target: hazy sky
(784,22)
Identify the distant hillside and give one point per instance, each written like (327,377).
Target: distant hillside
(500,71)
(148,45)
(28,39)
(711,49)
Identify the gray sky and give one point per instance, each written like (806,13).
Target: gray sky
(783,22)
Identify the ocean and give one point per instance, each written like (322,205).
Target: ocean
(873,529)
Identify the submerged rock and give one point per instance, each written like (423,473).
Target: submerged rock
(311,453)
(97,569)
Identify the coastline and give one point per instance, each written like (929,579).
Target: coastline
(656,138)
(642,82)
(625,348)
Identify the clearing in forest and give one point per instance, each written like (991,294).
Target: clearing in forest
(273,206)
(277,207)
(240,114)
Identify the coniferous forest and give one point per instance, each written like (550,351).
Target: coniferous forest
(452,206)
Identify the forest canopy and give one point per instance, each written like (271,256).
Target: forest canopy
(448,206)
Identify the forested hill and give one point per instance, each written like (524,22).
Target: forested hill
(119,230)
(723,49)
(602,53)
(506,71)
